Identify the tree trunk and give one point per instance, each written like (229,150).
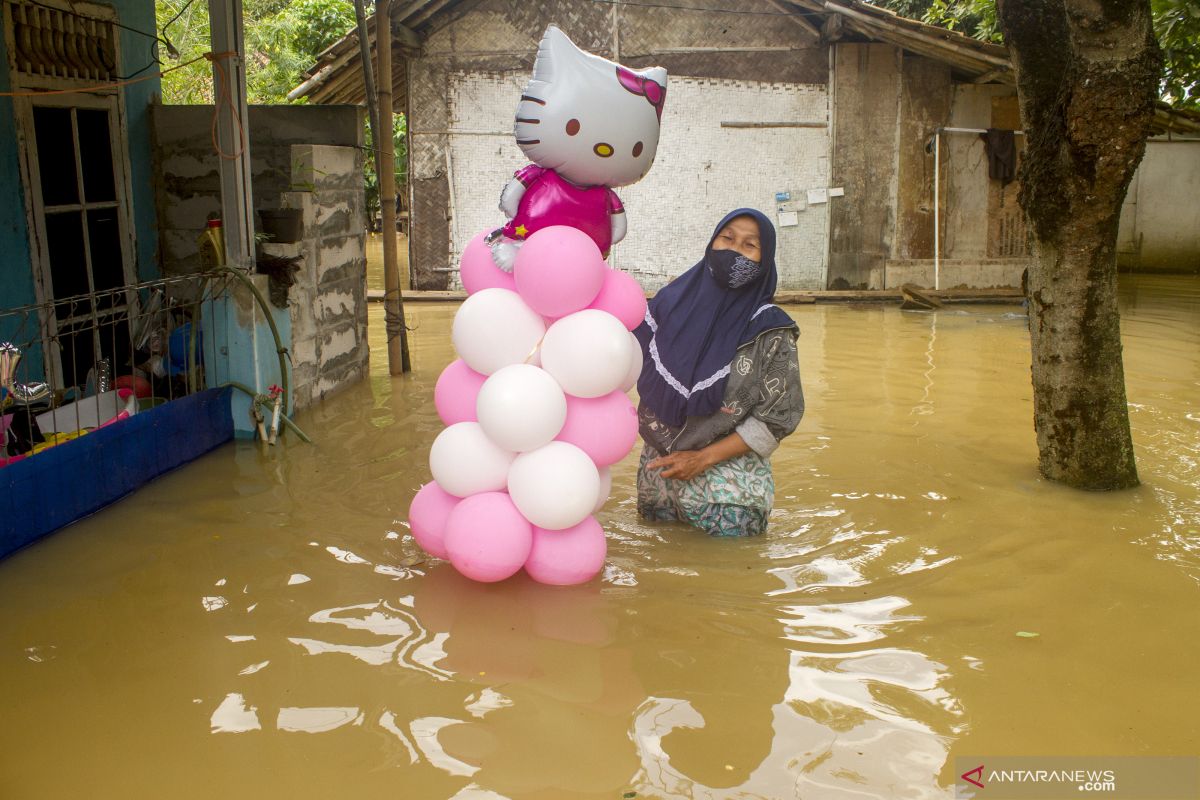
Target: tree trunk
(1087,76)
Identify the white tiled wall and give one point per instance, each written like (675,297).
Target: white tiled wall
(702,170)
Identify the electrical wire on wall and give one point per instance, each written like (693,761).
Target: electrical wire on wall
(72,12)
(171,50)
(223,95)
(106,86)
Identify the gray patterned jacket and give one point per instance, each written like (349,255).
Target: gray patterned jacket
(763,401)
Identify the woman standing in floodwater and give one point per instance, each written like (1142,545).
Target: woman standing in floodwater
(720,385)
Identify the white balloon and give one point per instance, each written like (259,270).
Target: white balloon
(605,488)
(555,486)
(521,407)
(635,364)
(464,461)
(587,353)
(494,328)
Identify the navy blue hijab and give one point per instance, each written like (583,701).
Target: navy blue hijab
(695,325)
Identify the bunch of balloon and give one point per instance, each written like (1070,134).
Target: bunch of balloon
(536,412)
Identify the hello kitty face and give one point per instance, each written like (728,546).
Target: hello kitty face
(590,119)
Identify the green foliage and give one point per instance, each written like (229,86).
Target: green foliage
(913,9)
(282,40)
(184,23)
(318,24)
(975,18)
(400,142)
(1176,25)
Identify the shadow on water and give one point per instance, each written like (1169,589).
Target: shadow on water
(260,624)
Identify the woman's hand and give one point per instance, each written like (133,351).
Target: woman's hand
(682,465)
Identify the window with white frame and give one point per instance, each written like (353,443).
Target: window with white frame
(74,169)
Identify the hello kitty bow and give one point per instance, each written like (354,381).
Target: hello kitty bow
(644,87)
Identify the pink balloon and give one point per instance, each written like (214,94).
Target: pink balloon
(559,271)
(623,297)
(478,271)
(567,557)
(487,538)
(427,518)
(605,427)
(455,393)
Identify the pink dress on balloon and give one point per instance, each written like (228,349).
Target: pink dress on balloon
(550,199)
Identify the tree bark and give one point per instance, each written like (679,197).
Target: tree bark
(1087,76)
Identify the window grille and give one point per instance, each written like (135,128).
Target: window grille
(50,42)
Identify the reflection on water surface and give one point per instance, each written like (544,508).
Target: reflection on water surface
(259,624)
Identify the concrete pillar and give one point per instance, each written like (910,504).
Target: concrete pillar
(242,348)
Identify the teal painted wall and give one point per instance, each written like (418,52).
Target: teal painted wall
(16,276)
(16,279)
(16,282)
(136,53)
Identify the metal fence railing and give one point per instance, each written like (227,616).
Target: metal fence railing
(72,364)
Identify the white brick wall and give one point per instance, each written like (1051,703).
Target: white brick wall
(328,302)
(702,170)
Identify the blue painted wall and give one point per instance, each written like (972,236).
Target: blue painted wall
(16,281)
(16,275)
(136,53)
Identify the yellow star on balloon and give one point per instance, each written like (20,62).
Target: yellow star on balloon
(522,231)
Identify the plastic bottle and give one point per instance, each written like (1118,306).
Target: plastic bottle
(212,245)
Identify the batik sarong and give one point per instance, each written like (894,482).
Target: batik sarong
(732,498)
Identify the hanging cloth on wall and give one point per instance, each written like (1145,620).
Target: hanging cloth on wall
(1001,149)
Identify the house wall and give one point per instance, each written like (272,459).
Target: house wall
(16,276)
(464,89)
(887,104)
(866,113)
(981,219)
(136,54)
(306,157)
(701,173)
(1160,220)
(186,176)
(926,93)
(328,304)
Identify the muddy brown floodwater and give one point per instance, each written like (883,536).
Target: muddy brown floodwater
(258,624)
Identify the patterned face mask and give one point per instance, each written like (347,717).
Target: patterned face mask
(732,269)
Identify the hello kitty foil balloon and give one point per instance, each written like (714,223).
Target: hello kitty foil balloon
(587,124)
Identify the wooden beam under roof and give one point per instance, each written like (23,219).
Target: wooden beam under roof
(797,17)
(321,76)
(994,75)
(970,67)
(431,7)
(342,61)
(405,37)
(903,34)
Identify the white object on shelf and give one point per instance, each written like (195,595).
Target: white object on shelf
(90,412)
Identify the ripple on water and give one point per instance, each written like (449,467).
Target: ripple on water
(826,659)
(843,623)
